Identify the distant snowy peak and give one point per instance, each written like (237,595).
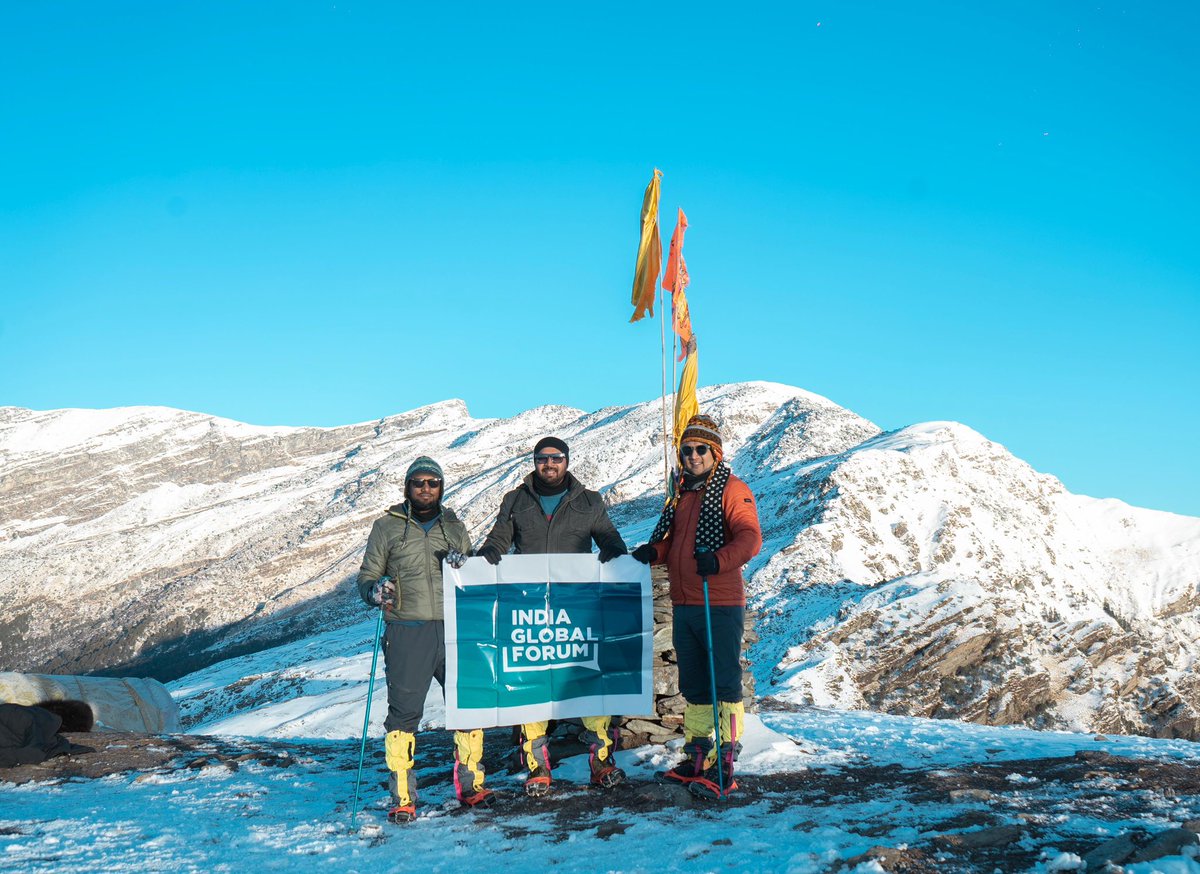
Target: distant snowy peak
(29,431)
(933,573)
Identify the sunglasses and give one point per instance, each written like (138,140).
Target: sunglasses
(557,458)
(425,483)
(686,451)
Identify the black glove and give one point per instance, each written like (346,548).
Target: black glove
(645,553)
(707,564)
(608,553)
(491,553)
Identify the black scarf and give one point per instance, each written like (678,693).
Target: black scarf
(710,528)
(424,515)
(548,491)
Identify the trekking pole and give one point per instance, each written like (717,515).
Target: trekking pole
(362,752)
(712,682)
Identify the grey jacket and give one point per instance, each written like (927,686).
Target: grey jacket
(398,547)
(578,520)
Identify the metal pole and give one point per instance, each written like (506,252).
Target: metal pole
(662,322)
(362,752)
(712,681)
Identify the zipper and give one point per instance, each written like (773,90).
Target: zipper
(557,510)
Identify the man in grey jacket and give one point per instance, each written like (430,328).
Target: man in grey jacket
(551,512)
(402,574)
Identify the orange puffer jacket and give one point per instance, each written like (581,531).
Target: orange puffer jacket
(743,540)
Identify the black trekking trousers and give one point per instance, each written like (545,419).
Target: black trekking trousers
(691,649)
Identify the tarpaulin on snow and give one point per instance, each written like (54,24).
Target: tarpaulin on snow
(118,704)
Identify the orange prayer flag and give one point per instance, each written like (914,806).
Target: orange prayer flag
(676,277)
(681,321)
(649,255)
(676,281)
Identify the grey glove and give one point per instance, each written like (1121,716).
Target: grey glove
(383,593)
(456,559)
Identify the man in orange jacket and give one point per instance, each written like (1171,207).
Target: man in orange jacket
(709,530)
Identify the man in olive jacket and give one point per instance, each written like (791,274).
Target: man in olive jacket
(402,574)
(551,512)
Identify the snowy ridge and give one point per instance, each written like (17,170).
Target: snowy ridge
(934,574)
(924,571)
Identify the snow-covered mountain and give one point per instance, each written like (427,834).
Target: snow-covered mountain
(929,572)
(925,571)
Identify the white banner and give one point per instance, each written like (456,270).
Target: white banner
(547,637)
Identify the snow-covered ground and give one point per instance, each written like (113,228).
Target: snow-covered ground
(261,817)
(820,789)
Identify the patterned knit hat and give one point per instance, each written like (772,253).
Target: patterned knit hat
(703,429)
(424,464)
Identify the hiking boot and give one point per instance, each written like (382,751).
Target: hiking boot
(705,785)
(685,772)
(689,769)
(537,783)
(606,776)
(402,813)
(481,799)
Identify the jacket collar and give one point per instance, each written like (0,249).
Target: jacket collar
(574,486)
(400,511)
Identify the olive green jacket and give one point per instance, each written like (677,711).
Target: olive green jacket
(399,547)
(578,520)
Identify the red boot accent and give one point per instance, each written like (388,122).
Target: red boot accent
(702,787)
(402,813)
(537,783)
(607,776)
(482,798)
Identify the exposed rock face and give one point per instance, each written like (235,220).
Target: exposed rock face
(925,571)
(934,574)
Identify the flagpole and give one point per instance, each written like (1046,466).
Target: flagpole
(650,255)
(662,322)
(674,362)
(674,389)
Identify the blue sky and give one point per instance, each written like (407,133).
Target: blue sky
(327,213)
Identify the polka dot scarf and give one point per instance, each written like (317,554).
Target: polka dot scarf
(710,529)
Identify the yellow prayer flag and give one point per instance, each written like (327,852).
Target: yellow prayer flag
(686,404)
(649,255)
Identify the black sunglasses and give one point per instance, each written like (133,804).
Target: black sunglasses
(425,483)
(686,451)
(557,458)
